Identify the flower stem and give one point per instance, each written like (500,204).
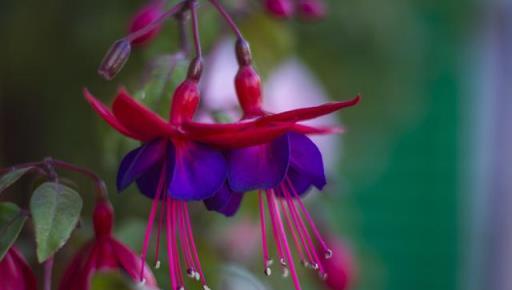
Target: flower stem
(227,17)
(195,27)
(48,165)
(48,272)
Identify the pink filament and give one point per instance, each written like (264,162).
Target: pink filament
(274,228)
(160,225)
(292,230)
(274,208)
(189,261)
(192,243)
(266,256)
(151,219)
(310,247)
(170,250)
(175,211)
(309,219)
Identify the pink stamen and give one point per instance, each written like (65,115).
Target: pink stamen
(170,252)
(274,230)
(304,234)
(310,247)
(189,261)
(177,266)
(292,230)
(158,238)
(193,245)
(310,220)
(266,256)
(151,219)
(275,208)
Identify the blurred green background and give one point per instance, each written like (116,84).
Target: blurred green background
(396,197)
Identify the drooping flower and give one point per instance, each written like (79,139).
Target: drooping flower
(103,253)
(15,273)
(281,170)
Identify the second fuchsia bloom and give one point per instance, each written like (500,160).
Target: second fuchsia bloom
(104,253)
(281,170)
(15,272)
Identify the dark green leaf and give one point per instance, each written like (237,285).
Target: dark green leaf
(11,177)
(56,210)
(11,222)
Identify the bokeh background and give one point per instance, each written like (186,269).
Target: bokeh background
(420,191)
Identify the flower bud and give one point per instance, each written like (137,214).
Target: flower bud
(145,16)
(185,101)
(248,90)
(103,218)
(279,8)
(15,273)
(115,59)
(312,9)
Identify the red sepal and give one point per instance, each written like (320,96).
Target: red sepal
(243,138)
(104,112)
(303,114)
(139,119)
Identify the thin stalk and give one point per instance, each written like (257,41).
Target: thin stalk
(227,17)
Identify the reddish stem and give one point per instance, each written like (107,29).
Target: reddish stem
(48,272)
(227,17)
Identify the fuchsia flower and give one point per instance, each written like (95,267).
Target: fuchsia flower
(145,16)
(15,273)
(282,170)
(103,253)
(181,161)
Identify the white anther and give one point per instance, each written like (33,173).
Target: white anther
(328,254)
(157,264)
(268,271)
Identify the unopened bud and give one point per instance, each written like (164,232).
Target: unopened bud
(103,218)
(312,9)
(144,17)
(248,91)
(115,59)
(279,8)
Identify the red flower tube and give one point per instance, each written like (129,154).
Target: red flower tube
(15,273)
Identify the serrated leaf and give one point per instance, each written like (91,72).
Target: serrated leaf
(11,177)
(56,210)
(11,222)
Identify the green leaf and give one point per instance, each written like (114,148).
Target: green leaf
(56,210)
(11,177)
(12,220)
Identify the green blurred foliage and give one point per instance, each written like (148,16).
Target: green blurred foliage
(395,195)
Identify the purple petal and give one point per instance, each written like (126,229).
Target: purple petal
(200,171)
(258,167)
(138,161)
(306,165)
(225,201)
(149,181)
